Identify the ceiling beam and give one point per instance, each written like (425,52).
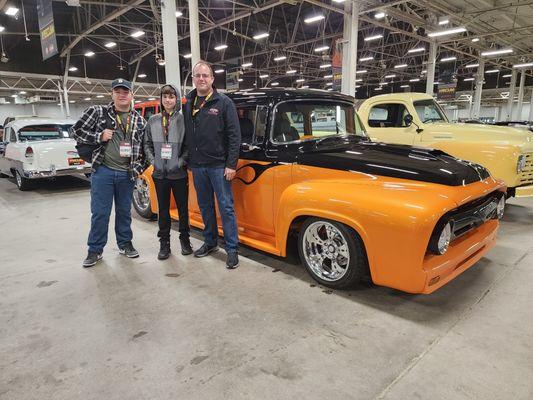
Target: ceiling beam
(110,17)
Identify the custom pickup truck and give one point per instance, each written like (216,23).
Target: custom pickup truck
(416,119)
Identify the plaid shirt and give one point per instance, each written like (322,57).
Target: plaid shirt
(92,123)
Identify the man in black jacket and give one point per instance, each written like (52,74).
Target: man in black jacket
(213,140)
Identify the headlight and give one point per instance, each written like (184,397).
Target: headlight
(500,207)
(521,164)
(440,240)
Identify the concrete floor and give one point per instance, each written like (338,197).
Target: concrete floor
(188,328)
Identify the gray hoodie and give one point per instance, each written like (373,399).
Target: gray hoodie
(154,140)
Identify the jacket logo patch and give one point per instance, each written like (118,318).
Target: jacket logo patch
(213,111)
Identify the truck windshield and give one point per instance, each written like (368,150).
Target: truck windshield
(315,120)
(43,132)
(429,111)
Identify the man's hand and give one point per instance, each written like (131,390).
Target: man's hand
(107,134)
(229,174)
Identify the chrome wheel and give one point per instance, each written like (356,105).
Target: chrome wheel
(18,178)
(141,195)
(326,251)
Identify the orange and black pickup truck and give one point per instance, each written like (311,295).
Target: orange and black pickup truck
(413,218)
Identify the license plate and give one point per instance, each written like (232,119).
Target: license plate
(75,161)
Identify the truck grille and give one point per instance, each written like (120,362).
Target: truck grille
(526,175)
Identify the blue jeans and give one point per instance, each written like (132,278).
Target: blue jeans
(108,184)
(208,182)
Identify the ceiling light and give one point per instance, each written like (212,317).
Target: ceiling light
(246,65)
(328,76)
(221,47)
(436,83)
(444,21)
(424,71)
(414,80)
(141,76)
(72,69)
(469,79)
(405,86)
(110,45)
(137,101)
(305,87)
(529,64)
(2,28)
(22,92)
(330,89)
(87,99)
(383,83)
(12,11)
(137,34)
(100,96)
(274,84)
(321,48)
(189,55)
(313,19)
(507,76)
(219,71)
(417,50)
(359,80)
(492,71)
(496,52)
(374,37)
(366,59)
(300,80)
(390,76)
(151,98)
(361,71)
(161,62)
(89,54)
(279,58)
(240,80)
(472,65)
(72,101)
(325,66)
(261,35)
(447,32)
(13,95)
(178,14)
(291,71)
(476,39)
(263,76)
(379,15)
(445,59)
(400,66)
(329,84)
(378,88)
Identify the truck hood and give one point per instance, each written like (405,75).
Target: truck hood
(481,133)
(398,161)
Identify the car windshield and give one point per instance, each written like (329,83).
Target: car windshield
(304,120)
(429,111)
(44,132)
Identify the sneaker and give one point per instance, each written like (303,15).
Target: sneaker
(92,259)
(164,250)
(205,250)
(186,248)
(129,251)
(232,261)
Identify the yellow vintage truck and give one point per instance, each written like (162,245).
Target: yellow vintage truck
(417,119)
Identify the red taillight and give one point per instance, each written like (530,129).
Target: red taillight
(29,152)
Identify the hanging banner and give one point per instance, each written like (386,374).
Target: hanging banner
(47,28)
(336,64)
(447,84)
(232,81)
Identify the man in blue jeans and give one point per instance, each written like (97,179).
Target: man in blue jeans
(117,130)
(213,139)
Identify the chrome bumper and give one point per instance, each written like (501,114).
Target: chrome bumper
(82,169)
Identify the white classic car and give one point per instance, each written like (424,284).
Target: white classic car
(35,148)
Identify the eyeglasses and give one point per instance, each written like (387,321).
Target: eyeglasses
(205,76)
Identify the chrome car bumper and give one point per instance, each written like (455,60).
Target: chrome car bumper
(57,172)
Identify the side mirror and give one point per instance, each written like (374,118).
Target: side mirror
(408,119)
(246,147)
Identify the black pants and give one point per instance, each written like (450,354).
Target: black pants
(180,190)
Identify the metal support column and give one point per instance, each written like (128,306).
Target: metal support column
(430,78)
(476,109)
(349,48)
(170,42)
(194,24)
(511,96)
(518,112)
(531,107)
(65,92)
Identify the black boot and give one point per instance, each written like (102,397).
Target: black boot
(164,250)
(186,248)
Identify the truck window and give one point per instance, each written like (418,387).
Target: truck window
(387,116)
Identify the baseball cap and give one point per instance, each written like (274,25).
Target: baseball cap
(121,83)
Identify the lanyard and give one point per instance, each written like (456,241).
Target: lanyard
(125,129)
(194,109)
(165,121)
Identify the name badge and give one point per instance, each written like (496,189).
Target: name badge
(166,151)
(125,149)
